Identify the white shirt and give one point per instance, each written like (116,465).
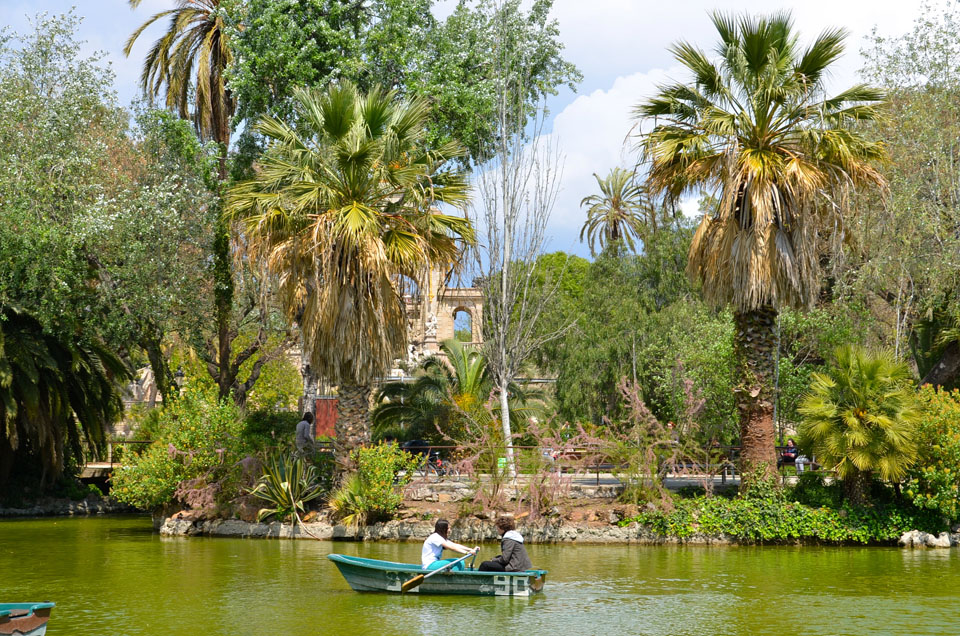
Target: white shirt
(432,549)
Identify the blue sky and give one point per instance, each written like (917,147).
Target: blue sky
(619,45)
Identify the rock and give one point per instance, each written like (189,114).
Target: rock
(918,539)
(940,541)
(613,517)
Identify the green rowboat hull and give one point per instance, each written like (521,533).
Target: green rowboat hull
(24,619)
(371,575)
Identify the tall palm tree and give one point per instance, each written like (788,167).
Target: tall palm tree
(340,211)
(614,215)
(756,127)
(188,65)
(860,418)
(449,388)
(52,389)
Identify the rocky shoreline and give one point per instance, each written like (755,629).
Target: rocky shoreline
(472,530)
(50,507)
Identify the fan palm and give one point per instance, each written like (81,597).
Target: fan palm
(340,211)
(613,214)
(756,127)
(860,417)
(449,388)
(55,392)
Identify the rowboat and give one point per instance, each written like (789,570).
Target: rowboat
(24,619)
(371,575)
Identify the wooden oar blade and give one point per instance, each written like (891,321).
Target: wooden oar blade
(412,583)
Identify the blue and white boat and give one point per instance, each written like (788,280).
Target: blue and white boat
(24,619)
(371,575)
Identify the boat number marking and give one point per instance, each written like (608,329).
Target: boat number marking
(510,586)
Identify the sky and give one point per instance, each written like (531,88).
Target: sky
(620,47)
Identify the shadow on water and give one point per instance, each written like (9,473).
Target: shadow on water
(115,576)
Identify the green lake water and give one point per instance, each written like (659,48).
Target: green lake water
(114,576)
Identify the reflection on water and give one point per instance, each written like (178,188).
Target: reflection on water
(114,576)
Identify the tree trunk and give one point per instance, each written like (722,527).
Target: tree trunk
(507,433)
(353,419)
(223,300)
(162,377)
(7,455)
(857,486)
(946,369)
(753,347)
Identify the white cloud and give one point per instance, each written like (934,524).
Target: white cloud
(593,135)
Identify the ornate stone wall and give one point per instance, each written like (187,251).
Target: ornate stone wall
(432,312)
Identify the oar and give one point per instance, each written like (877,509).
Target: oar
(418,579)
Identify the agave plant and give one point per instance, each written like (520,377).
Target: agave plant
(288,483)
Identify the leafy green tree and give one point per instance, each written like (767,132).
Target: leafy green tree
(933,482)
(398,44)
(338,213)
(614,215)
(56,391)
(901,261)
(756,125)
(860,418)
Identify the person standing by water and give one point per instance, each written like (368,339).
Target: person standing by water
(305,434)
(513,556)
(434,544)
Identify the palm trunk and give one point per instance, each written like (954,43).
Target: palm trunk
(856,487)
(753,347)
(353,419)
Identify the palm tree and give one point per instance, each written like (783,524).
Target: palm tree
(613,214)
(860,418)
(188,64)
(449,388)
(53,390)
(340,212)
(755,127)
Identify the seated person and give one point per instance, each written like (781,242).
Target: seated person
(789,453)
(434,544)
(513,557)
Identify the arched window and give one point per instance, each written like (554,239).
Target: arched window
(462,325)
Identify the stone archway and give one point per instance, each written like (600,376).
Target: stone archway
(432,312)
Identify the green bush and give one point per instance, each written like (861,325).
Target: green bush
(263,429)
(774,519)
(197,438)
(811,490)
(375,492)
(933,483)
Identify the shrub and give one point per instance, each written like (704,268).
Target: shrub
(811,490)
(775,519)
(934,481)
(288,483)
(198,439)
(375,491)
(263,429)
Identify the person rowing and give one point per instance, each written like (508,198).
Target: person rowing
(434,544)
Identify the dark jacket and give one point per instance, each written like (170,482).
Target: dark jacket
(513,555)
